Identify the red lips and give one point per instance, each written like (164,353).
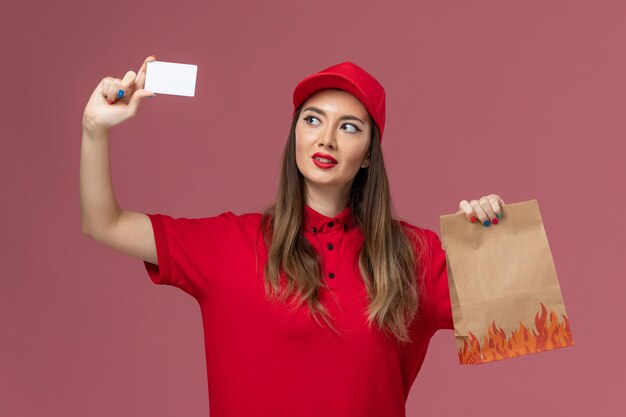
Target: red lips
(323,155)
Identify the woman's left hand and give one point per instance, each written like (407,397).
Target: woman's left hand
(487,209)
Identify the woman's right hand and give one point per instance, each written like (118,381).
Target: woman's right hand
(105,110)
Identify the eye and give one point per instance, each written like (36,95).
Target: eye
(353,131)
(308,118)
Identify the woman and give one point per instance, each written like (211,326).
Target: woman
(323,305)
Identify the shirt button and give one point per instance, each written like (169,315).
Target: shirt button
(330,224)
(330,246)
(331,275)
(314,229)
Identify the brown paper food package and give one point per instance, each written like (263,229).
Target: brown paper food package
(505,295)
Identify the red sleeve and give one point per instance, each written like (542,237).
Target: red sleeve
(439,280)
(190,252)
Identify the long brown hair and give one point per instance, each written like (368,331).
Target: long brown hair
(388,262)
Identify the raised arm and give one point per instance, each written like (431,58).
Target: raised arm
(102,218)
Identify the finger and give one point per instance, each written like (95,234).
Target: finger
(141,74)
(468,210)
(480,212)
(128,85)
(140,81)
(486,206)
(104,85)
(501,204)
(112,88)
(495,202)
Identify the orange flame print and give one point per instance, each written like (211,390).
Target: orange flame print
(522,342)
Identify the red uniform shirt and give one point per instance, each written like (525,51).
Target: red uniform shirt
(263,360)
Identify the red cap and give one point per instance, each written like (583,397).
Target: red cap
(349,77)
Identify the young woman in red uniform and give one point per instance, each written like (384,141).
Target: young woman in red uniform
(322,305)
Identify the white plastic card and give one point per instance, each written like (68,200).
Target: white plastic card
(171,78)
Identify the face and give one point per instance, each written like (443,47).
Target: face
(334,123)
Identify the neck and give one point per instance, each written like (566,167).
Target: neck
(328,202)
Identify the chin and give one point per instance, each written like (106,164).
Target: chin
(322,182)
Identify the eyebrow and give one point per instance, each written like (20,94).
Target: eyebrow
(346,117)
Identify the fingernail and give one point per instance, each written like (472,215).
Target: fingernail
(499,215)
(494,220)
(473,219)
(110,101)
(486,223)
(120,93)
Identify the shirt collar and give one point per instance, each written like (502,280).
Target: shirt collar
(316,222)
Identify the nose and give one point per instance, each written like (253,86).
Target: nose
(327,138)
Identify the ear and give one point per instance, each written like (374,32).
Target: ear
(366,162)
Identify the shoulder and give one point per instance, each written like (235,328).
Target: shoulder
(232,216)
(246,217)
(246,220)
(225,221)
(425,240)
(423,233)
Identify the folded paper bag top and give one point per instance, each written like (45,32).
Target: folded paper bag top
(504,291)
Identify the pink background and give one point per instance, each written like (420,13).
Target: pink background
(522,99)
